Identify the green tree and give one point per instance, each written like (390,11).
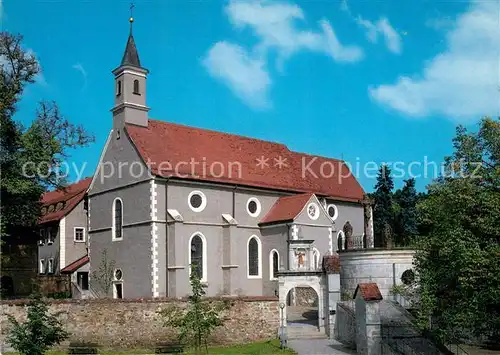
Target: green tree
(103,276)
(29,156)
(458,261)
(406,219)
(383,214)
(39,332)
(198,320)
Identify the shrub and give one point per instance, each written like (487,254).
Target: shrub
(39,332)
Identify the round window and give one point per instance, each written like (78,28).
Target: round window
(197,201)
(408,277)
(118,274)
(313,211)
(332,212)
(253,207)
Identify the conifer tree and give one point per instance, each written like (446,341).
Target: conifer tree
(383,214)
(406,225)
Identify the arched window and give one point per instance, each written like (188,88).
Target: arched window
(274,264)
(117,219)
(136,87)
(340,241)
(316,259)
(254,258)
(118,88)
(198,256)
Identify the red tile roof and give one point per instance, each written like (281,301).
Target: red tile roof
(70,195)
(369,292)
(233,158)
(331,264)
(75,265)
(286,208)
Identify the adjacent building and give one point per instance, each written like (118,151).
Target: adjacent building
(168,200)
(63,228)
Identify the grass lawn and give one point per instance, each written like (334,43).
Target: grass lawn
(259,348)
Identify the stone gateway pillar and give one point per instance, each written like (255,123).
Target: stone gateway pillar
(367,298)
(368,218)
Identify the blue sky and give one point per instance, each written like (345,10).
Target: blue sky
(381,81)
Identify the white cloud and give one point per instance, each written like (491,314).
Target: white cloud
(344,6)
(338,51)
(382,27)
(279,27)
(463,81)
(440,23)
(79,67)
(245,75)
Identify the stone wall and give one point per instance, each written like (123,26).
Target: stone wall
(50,284)
(382,266)
(305,296)
(19,268)
(128,324)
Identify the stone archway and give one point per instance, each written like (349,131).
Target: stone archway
(289,280)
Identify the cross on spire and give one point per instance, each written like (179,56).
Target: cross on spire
(131,57)
(131,19)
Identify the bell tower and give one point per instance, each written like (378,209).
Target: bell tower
(130,87)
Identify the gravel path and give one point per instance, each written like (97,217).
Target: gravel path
(319,347)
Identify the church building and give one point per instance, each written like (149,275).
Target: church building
(168,200)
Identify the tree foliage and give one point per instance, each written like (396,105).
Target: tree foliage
(383,214)
(29,157)
(103,276)
(458,260)
(39,332)
(405,210)
(198,320)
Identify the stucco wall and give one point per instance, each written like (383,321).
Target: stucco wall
(47,251)
(76,218)
(121,165)
(136,324)
(384,267)
(132,254)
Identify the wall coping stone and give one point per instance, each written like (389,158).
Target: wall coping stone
(25,301)
(368,250)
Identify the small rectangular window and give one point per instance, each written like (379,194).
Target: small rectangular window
(42,237)
(51,266)
(79,234)
(51,235)
(42,266)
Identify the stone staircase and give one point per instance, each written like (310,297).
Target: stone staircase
(304,332)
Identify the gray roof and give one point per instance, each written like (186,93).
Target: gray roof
(131,56)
